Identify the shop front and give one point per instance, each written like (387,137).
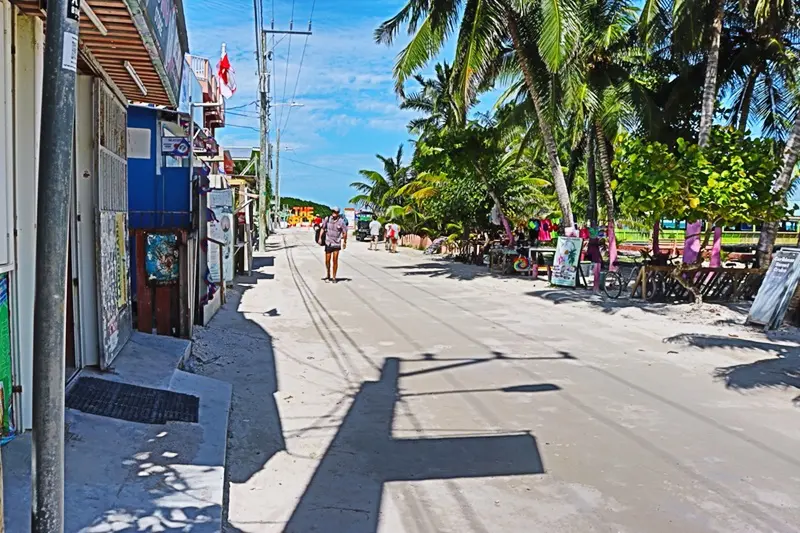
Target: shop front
(127,51)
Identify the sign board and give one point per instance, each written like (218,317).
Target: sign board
(350,217)
(776,290)
(175,146)
(163,18)
(220,202)
(566,261)
(5,357)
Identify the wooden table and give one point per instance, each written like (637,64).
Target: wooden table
(533,256)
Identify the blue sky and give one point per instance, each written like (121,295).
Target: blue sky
(350,109)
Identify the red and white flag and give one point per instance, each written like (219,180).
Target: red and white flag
(225,73)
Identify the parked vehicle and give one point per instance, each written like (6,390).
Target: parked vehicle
(363,218)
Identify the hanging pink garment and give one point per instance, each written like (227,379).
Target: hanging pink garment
(544,230)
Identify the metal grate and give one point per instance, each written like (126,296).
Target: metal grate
(131,402)
(113,152)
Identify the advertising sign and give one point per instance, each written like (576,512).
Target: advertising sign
(175,146)
(566,261)
(5,357)
(777,289)
(163,18)
(220,202)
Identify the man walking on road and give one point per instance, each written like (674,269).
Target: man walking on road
(374,233)
(334,233)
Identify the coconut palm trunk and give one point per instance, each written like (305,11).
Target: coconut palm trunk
(551,147)
(592,177)
(783,181)
(747,98)
(691,246)
(503,219)
(710,84)
(605,170)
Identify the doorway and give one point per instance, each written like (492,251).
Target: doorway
(70,361)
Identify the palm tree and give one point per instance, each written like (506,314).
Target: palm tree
(435,101)
(380,188)
(494,39)
(598,81)
(783,181)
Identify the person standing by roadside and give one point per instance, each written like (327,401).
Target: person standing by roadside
(387,239)
(334,238)
(395,236)
(374,233)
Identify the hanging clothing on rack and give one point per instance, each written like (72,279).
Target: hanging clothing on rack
(545,226)
(533,230)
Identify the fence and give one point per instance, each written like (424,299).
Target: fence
(670,238)
(668,283)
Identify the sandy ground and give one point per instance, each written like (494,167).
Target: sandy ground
(419,395)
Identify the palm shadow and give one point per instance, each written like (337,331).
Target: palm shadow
(443,269)
(782,371)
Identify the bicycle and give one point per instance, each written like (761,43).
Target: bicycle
(616,281)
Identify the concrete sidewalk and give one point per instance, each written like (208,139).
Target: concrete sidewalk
(124,476)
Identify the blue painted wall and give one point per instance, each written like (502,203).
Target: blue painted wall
(156,200)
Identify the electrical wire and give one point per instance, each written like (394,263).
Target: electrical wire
(252,115)
(300,68)
(283,157)
(228,125)
(286,72)
(241,106)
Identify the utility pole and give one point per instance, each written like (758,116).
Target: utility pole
(278,172)
(263,199)
(273,31)
(263,172)
(49,311)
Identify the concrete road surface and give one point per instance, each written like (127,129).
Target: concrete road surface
(421,396)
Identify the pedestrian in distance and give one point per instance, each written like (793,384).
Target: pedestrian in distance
(374,233)
(387,240)
(394,235)
(333,237)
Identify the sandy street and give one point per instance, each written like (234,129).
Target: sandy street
(419,396)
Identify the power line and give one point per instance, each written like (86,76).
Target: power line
(241,126)
(300,68)
(288,55)
(241,106)
(317,166)
(252,115)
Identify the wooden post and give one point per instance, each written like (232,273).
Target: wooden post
(183,287)
(222,272)
(221,268)
(144,294)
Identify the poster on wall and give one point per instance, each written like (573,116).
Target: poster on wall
(5,356)
(567,261)
(162,258)
(122,261)
(220,228)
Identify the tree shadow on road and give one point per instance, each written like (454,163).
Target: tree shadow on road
(345,492)
(782,371)
(612,306)
(443,269)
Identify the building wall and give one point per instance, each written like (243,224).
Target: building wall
(85,247)
(6,148)
(27,70)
